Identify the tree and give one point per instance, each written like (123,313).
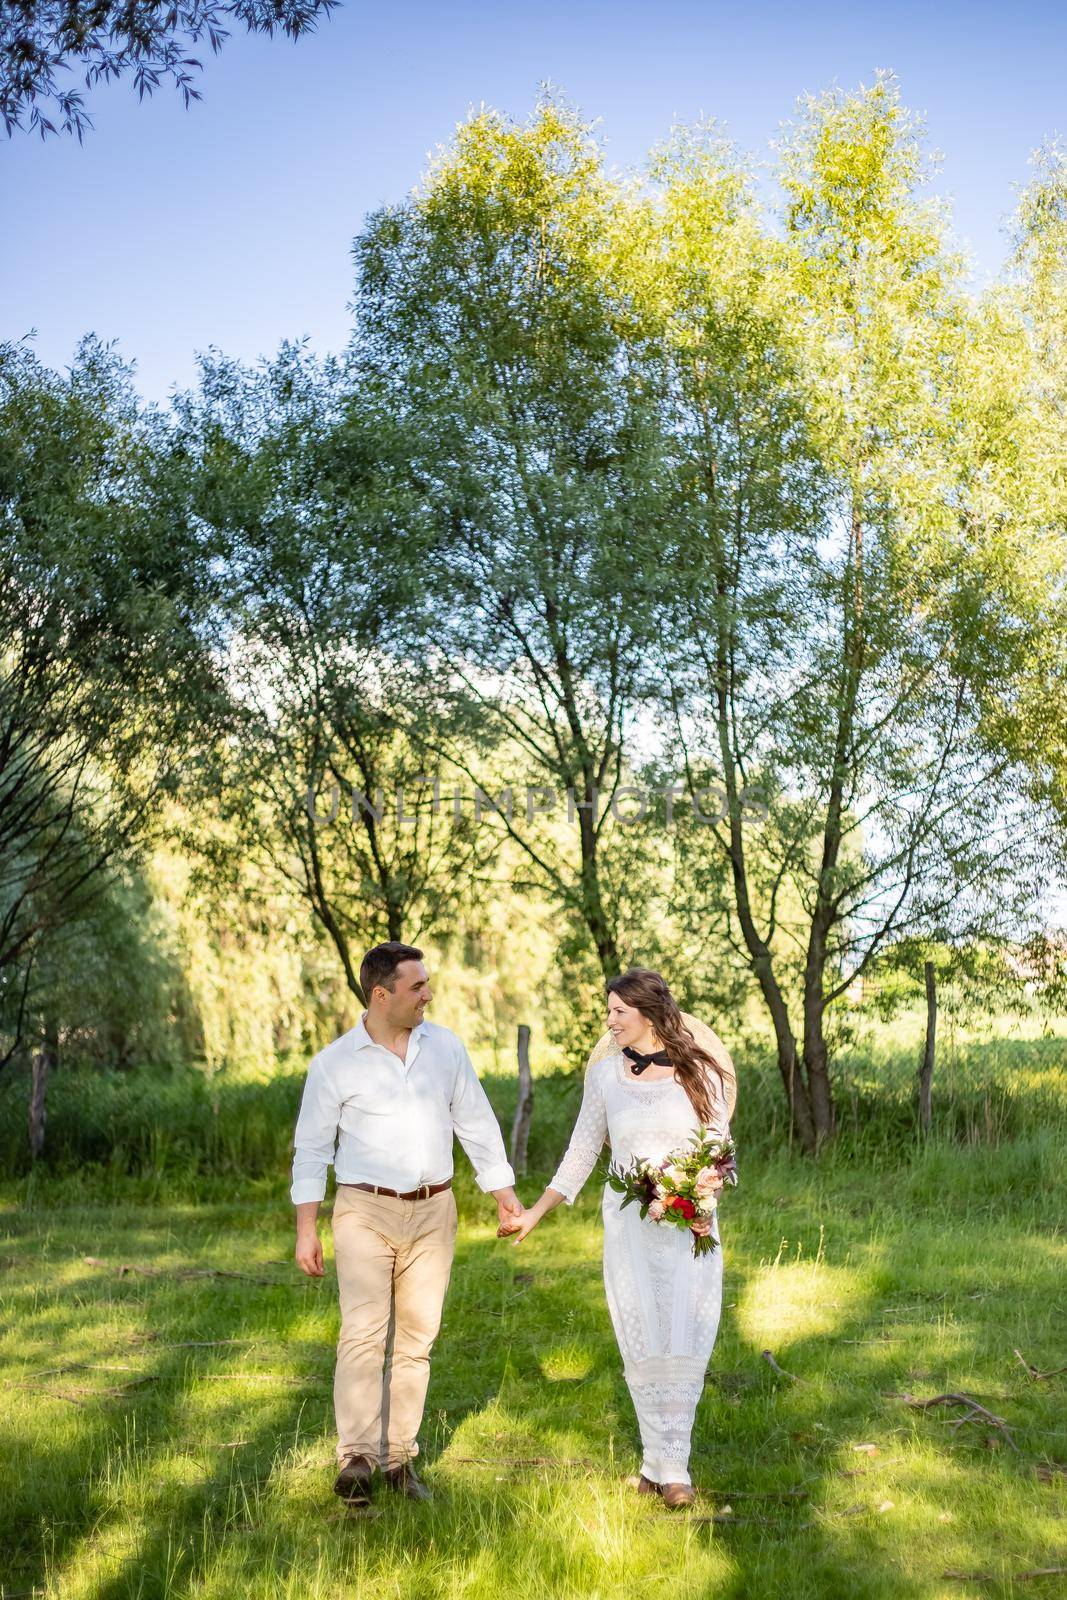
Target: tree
(293,467)
(487,317)
(105,680)
(109,38)
(849,615)
(1035,308)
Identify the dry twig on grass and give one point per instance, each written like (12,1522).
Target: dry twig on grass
(782,1373)
(759,1494)
(80,1396)
(725,1518)
(973,1412)
(190,1272)
(298,1380)
(520,1461)
(1038,1377)
(996,1577)
(187,1344)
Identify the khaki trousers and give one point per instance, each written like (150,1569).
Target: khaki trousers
(393,1258)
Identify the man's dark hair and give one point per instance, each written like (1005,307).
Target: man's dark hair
(379,965)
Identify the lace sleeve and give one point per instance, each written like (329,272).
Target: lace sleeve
(587,1139)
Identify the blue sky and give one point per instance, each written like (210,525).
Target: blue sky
(231,224)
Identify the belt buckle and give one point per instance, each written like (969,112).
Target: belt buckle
(425,1196)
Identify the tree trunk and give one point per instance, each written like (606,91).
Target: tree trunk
(926,1069)
(596,920)
(801,1121)
(40,1070)
(520,1129)
(816,1059)
(817,1072)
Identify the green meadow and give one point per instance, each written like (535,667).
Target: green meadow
(167,1425)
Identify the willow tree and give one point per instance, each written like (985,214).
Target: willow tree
(1034,306)
(846,607)
(107,689)
(486,313)
(292,466)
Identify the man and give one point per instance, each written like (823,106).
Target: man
(390,1094)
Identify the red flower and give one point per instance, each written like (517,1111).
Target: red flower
(678,1202)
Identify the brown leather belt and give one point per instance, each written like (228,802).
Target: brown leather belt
(423,1192)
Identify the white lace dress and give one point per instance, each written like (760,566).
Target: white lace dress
(664,1302)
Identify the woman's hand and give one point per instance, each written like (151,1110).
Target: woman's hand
(518,1227)
(701,1227)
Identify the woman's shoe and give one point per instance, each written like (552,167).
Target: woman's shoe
(646,1486)
(677,1495)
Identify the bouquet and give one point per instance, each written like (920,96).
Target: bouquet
(683,1187)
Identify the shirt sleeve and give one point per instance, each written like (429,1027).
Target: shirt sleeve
(477,1129)
(315,1139)
(587,1140)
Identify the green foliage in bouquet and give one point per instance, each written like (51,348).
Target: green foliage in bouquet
(683,1188)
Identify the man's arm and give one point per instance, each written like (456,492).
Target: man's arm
(315,1142)
(479,1133)
(308,1243)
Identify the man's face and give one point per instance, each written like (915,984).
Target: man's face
(411,994)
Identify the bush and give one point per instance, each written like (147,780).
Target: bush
(189,1124)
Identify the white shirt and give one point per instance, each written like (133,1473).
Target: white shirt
(382,1120)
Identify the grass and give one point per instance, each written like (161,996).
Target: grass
(171,1436)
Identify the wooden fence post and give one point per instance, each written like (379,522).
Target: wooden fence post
(926,1070)
(520,1128)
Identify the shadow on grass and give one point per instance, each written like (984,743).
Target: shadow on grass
(110,1490)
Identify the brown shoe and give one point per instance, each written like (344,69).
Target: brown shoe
(677,1495)
(353,1481)
(646,1486)
(406,1482)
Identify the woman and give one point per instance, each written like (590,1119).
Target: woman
(650,1091)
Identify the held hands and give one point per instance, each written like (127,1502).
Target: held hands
(514,1221)
(516,1227)
(508,1210)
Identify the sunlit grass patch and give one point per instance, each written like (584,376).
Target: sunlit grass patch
(567,1363)
(790,1300)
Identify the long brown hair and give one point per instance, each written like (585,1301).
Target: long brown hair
(648,992)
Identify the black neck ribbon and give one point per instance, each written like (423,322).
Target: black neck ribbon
(638,1062)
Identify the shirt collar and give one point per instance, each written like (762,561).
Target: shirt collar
(361,1038)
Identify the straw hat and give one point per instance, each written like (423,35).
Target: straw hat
(708,1040)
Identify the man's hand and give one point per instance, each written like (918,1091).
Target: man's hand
(508,1207)
(517,1228)
(308,1243)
